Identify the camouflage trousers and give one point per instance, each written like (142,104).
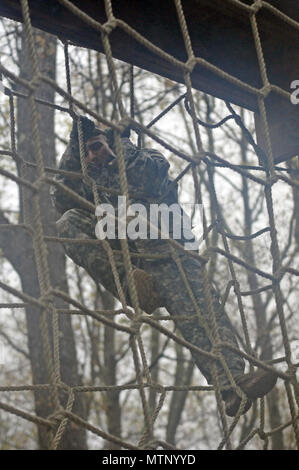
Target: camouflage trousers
(77,223)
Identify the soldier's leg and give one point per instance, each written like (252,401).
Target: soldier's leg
(80,224)
(176,299)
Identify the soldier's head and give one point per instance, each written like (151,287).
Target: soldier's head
(97,147)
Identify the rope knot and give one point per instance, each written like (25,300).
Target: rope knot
(266,90)
(135,325)
(190,64)
(35,83)
(198,157)
(216,349)
(262,434)
(157,387)
(109,26)
(73,114)
(236,285)
(56,417)
(46,298)
(279,274)
(258,4)
(272,180)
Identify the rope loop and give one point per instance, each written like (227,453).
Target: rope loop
(109,26)
(256,6)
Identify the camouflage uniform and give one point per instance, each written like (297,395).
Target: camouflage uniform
(148,180)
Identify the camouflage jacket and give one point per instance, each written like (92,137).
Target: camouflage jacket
(147,176)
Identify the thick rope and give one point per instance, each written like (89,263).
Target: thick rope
(45,303)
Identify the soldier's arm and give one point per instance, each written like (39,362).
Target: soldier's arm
(147,172)
(69,162)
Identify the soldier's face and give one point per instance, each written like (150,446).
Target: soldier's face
(98,150)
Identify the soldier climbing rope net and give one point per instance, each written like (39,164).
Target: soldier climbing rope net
(271,175)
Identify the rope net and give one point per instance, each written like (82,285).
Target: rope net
(271,174)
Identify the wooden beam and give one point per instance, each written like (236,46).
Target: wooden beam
(220,33)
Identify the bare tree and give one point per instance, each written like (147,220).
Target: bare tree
(105,357)
(19,250)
